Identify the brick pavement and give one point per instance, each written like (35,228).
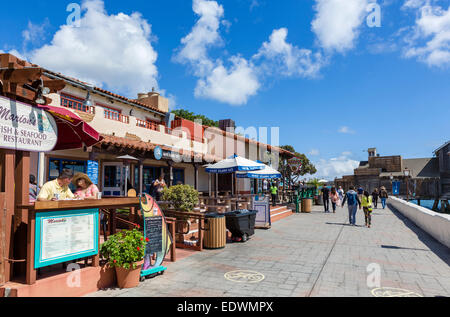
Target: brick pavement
(313,254)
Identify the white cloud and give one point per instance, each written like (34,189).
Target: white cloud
(233,86)
(429,39)
(35,33)
(289,60)
(106,50)
(336,167)
(346,130)
(337,23)
(314,152)
(204,34)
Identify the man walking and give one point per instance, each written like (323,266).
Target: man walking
(326,198)
(353,202)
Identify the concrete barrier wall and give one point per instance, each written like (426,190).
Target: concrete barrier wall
(435,224)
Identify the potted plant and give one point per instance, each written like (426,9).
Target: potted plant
(183,198)
(125,251)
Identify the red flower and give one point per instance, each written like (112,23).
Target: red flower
(139,249)
(142,239)
(147,239)
(138,226)
(115,261)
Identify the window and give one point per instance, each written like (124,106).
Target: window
(56,166)
(148,124)
(75,103)
(116,115)
(150,174)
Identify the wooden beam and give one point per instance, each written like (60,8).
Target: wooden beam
(21,76)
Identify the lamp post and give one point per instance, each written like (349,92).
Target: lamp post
(407,173)
(392,183)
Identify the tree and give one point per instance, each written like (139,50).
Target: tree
(307,166)
(192,117)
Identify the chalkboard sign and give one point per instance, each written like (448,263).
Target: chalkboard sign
(92,171)
(153,231)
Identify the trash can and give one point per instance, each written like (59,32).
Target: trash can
(215,236)
(241,224)
(307,205)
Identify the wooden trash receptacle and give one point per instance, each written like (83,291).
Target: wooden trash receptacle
(307,205)
(215,236)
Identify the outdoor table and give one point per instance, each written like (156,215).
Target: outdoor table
(56,207)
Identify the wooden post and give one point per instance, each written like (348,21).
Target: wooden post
(8,172)
(141,178)
(196,176)
(201,225)
(2,238)
(22,184)
(31,271)
(96,258)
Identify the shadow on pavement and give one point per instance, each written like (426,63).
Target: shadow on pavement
(400,248)
(435,246)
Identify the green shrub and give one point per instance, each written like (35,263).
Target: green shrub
(183,197)
(124,249)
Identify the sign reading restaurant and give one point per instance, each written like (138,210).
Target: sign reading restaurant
(26,128)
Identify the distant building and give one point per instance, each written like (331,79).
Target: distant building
(378,171)
(443,155)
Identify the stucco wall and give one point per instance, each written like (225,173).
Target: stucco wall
(435,224)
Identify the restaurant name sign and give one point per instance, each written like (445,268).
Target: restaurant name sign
(26,128)
(295,164)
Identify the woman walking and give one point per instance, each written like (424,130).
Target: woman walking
(366,204)
(384,196)
(341,193)
(335,200)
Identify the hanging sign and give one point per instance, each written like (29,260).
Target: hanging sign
(92,171)
(295,164)
(26,128)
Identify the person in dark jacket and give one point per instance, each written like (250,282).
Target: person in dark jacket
(326,198)
(375,195)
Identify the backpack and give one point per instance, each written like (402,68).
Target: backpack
(351,197)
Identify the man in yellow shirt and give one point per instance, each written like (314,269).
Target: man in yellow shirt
(57,189)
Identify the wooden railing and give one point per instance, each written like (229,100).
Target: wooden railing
(148,125)
(112,115)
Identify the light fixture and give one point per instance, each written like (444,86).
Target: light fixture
(40,92)
(87,102)
(406,172)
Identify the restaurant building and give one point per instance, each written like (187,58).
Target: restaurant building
(138,127)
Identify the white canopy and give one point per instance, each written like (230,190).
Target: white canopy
(234,164)
(267,173)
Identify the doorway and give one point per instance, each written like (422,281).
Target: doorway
(113,179)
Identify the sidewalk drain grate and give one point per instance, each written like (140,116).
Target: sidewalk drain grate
(243,276)
(393,292)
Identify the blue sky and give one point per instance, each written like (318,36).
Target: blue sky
(315,68)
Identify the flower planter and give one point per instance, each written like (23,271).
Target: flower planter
(129,278)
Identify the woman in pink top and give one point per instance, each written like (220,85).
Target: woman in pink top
(85,188)
(335,200)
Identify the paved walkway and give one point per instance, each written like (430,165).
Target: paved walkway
(313,254)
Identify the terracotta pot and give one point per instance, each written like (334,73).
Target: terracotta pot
(129,278)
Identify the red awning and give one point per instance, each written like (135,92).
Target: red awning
(73,132)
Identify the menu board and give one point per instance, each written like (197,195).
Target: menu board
(65,236)
(153,231)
